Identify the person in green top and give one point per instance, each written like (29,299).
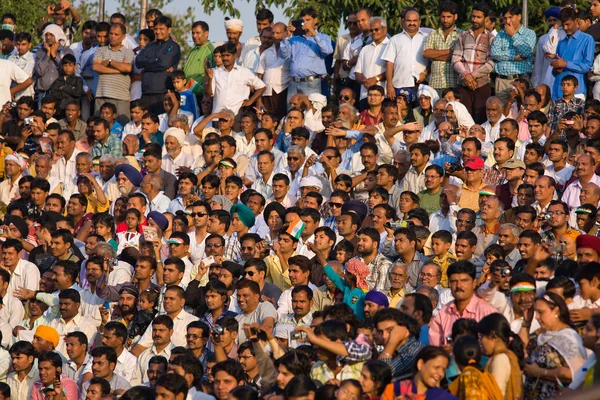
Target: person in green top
(150,132)
(200,57)
(429,199)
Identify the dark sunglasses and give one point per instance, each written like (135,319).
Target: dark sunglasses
(194,214)
(335,205)
(352,23)
(223,120)
(250,273)
(375,29)
(345,97)
(293,158)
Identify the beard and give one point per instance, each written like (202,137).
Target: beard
(126,189)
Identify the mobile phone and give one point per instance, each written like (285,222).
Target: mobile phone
(449,340)
(106,304)
(208,261)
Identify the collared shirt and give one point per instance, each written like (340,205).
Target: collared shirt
(194,66)
(371,64)
(413,268)
(266,189)
(470,197)
(561,177)
(340,45)
(275,71)
(175,205)
(180,323)
(560,106)
(395,299)
(402,360)
(243,145)
(113,146)
(407,55)
(182,160)
(9,190)
(78,131)
(441,325)
(231,88)
(116,382)
(284,304)
(250,54)
(233,248)
(322,298)
(159,203)
(322,373)
(275,273)
(141,370)
(71,370)
(290,319)
(90,303)
(126,364)
(70,389)
(485,238)
(114,86)
(471,55)
(22,390)
(26,62)
(442,74)
(79,323)
(571,194)
(26,274)
(252,172)
(47,69)
(307,54)
(378,278)
(414,181)
(578,51)
(505,48)
(263,311)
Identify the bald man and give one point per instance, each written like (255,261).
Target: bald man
(589,194)
(585,167)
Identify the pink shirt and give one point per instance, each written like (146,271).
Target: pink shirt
(441,325)
(69,387)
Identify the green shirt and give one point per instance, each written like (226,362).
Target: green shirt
(194,66)
(429,202)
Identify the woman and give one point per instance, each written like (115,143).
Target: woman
(505,350)
(353,285)
(97,201)
(374,378)
(427,97)
(119,210)
(557,352)
(584,377)
(405,98)
(568,241)
(430,368)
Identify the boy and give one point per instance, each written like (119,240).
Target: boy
(343,251)
(108,111)
(233,188)
(172,106)
(24,59)
(408,201)
(441,241)
(559,107)
(588,278)
(137,110)
(67,87)
(343,182)
(186,89)
(217,55)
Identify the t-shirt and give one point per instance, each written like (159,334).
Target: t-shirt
(429,202)
(10,72)
(270,290)
(264,310)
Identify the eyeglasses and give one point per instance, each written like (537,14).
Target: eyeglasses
(375,30)
(556,213)
(213,245)
(466,221)
(352,23)
(249,273)
(293,158)
(395,275)
(200,215)
(344,97)
(193,337)
(335,205)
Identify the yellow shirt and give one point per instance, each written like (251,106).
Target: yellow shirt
(95,207)
(275,274)
(395,299)
(470,198)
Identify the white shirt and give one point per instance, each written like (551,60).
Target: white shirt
(266,189)
(250,55)
(284,304)
(21,390)
(90,303)
(10,73)
(121,273)
(140,374)
(413,181)
(160,203)
(26,274)
(407,55)
(180,323)
(126,364)
(12,311)
(26,62)
(275,71)
(131,128)
(368,68)
(561,177)
(243,145)
(86,325)
(231,88)
(65,170)
(182,160)
(571,194)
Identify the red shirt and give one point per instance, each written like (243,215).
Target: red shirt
(367,119)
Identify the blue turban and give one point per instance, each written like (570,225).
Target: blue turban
(552,12)
(377,298)
(159,219)
(134,176)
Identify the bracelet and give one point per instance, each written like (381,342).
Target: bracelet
(386,353)
(545,372)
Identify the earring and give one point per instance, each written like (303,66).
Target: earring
(555,315)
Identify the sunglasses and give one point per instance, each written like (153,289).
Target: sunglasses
(213,245)
(345,97)
(352,23)
(293,158)
(223,120)
(194,214)
(335,205)
(375,30)
(250,273)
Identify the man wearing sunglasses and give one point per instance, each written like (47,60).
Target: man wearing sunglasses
(340,74)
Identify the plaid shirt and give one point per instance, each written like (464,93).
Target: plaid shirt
(401,362)
(560,107)
(442,74)
(505,48)
(472,56)
(112,146)
(233,248)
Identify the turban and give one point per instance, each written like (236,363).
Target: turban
(47,333)
(19,223)
(572,234)
(588,242)
(134,176)
(360,270)
(274,206)
(357,207)
(463,118)
(552,12)
(159,219)
(311,181)
(222,200)
(58,33)
(177,133)
(244,213)
(234,24)
(408,94)
(428,91)
(234,268)
(378,298)
(318,100)
(17,159)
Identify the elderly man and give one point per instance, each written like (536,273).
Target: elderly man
(128,178)
(398,277)
(445,217)
(43,170)
(175,157)
(151,186)
(296,157)
(487,232)
(508,238)
(585,168)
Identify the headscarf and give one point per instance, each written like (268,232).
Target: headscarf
(360,270)
(428,91)
(462,114)
(177,133)
(17,159)
(318,100)
(48,333)
(58,33)
(234,24)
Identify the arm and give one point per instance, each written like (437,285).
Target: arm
(457,58)
(324,43)
(164,60)
(438,55)
(499,51)
(435,331)
(99,67)
(335,278)
(525,44)
(584,65)
(21,86)
(266,368)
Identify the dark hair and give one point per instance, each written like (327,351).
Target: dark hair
(296,362)
(53,357)
(141,392)
(444,236)
(244,393)
(564,283)
(80,336)
(333,330)
(429,353)
(299,386)
(467,351)
(464,326)
(174,383)
(394,314)
(22,347)
(163,320)
(191,365)
(109,352)
(496,325)
(119,329)
(555,301)
(230,367)
(462,267)
(229,323)
(422,303)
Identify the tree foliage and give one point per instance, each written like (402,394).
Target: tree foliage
(28,13)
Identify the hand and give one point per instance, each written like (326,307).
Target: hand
(562,124)
(332,131)
(104,314)
(510,30)
(541,253)
(312,160)
(533,370)
(549,56)
(581,315)
(412,126)
(54,50)
(463,131)
(65,4)
(391,91)
(89,95)
(173,99)
(370,82)
(50,9)
(291,28)
(201,271)
(247,103)
(422,77)
(210,73)
(310,334)
(277,248)
(264,298)
(182,170)
(447,348)
(558,63)
(15,331)
(470,82)
(578,123)
(23,293)
(335,382)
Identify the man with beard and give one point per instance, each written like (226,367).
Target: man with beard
(128,178)
(375,301)
(175,157)
(216,298)
(153,164)
(368,245)
(253,311)
(508,238)
(368,156)
(302,302)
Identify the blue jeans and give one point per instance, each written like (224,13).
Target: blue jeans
(307,88)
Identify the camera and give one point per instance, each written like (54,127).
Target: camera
(12,104)
(297,335)
(28,121)
(217,330)
(298,24)
(545,216)
(455,166)
(455,131)
(394,225)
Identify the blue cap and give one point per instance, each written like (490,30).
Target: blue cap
(552,12)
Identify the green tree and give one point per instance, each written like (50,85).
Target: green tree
(28,13)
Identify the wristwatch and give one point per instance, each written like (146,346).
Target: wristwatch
(377,78)
(110,62)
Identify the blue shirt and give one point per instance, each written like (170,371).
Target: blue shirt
(307,54)
(578,51)
(424,335)
(505,48)
(116,130)
(189,103)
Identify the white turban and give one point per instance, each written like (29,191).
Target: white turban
(17,159)
(177,133)
(58,33)
(428,91)
(318,100)
(463,117)
(311,181)
(234,25)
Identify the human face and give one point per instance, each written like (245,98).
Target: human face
(501,152)
(412,22)
(369,386)
(447,20)
(433,180)
(378,33)
(417,159)
(58,248)
(21,362)
(265,165)
(526,248)
(570,26)
(493,111)
(568,88)
(366,245)
(584,166)
(546,316)
(161,32)
(433,371)
(344,223)
(464,251)
(300,304)
(223,384)
(295,161)
(94,392)
(558,217)
(462,286)
(379,217)
(47,372)
(199,36)
(524,221)
(247,300)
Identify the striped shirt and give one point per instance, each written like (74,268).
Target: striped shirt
(505,48)
(114,86)
(472,56)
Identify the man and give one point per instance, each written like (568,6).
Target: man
(188,367)
(53,50)
(152,187)
(512,51)
(103,366)
(14,167)
(255,270)
(307,53)
(228,375)
(585,168)
(113,63)
(199,56)
(248,296)
(156,77)
(461,277)
(79,363)
(197,337)
(301,304)
(439,48)
(105,142)
(265,162)
(370,73)
(368,245)
(249,57)
(162,330)
(115,336)
(398,277)
(24,372)
(172,386)
(186,184)
(473,184)
(72,120)
(529,243)
(514,169)
(508,238)
(405,64)
(50,369)
(558,221)
(13,74)
(404,245)
(487,232)
(558,152)
(277,264)
(22,272)
(274,70)
(419,307)
(544,193)
(471,60)
(429,199)
(340,74)
(153,163)
(175,158)
(299,273)
(351,54)
(232,97)
(414,180)
(572,59)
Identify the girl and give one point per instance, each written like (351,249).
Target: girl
(374,378)
(89,187)
(131,237)
(472,384)
(120,208)
(104,225)
(350,389)
(584,377)
(353,285)
(427,98)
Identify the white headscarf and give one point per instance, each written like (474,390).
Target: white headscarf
(17,159)
(318,100)
(58,33)
(428,91)
(463,117)
(177,133)
(234,25)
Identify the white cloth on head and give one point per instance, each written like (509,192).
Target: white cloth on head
(428,91)
(58,33)
(234,24)
(177,133)
(311,181)
(318,100)
(463,117)
(17,159)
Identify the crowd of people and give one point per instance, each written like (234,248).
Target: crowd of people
(423,224)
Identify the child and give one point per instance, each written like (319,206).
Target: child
(344,251)
(172,106)
(145,36)
(104,225)
(24,59)
(588,278)
(137,110)
(492,253)
(97,201)
(141,320)
(441,241)
(131,237)
(233,188)
(343,182)
(353,285)
(569,85)
(217,54)
(184,87)
(408,201)
(67,87)
(96,164)
(227,167)
(108,111)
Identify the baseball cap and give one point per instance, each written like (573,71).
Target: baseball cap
(474,163)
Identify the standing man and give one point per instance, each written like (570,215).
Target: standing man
(439,48)
(249,57)
(158,59)
(512,51)
(274,70)
(113,63)
(471,60)
(200,56)
(340,74)
(405,64)
(307,50)
(370,67)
